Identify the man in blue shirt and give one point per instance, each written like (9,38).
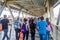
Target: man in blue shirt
(5,22)
(41,26)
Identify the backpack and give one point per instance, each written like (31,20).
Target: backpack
(48,27)
(24,28)
(21,36)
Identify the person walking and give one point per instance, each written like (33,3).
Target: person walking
(32,29)
(41,27)
(48,28)
(23,28)
(5,22)
(27,29)
(17,26)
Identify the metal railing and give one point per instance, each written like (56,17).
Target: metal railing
(56,32)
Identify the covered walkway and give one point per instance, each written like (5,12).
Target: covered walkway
(32,8)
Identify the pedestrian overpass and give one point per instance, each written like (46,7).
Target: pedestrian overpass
(33,8)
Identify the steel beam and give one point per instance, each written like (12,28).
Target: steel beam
(1,8)
(19,13)
(10,10)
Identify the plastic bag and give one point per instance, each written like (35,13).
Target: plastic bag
(21,36)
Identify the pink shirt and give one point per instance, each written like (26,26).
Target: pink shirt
(49,27)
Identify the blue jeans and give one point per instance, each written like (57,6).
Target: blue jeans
(32,36)
(42,36)
(5,34)
(48,35)
(24,36)
(17,34)
(27,35)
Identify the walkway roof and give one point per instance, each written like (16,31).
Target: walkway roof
(34,7)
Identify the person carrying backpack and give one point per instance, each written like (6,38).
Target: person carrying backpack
(23,28)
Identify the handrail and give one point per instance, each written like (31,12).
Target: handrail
(56,32)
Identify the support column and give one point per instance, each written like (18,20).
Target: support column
(51,14)
(57,28)
(10,11)
(13,19)
(22,15)
(47,9)
(1,8)
(19,13)
(58,18)
(53,26)
(26,15)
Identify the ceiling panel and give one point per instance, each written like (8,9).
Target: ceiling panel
(34,6)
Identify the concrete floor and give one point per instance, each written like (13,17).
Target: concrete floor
(13,35)
(14,38)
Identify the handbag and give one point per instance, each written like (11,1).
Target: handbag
(0,27)
(21,36)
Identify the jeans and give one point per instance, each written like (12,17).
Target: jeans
(48,35)
(27,34)
(42,36)
(32,36)
(5,34)
(24,34)
(17,34)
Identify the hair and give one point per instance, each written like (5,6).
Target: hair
(25,19)
(47,20)
(42,18)
(17,18)
(5,16)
